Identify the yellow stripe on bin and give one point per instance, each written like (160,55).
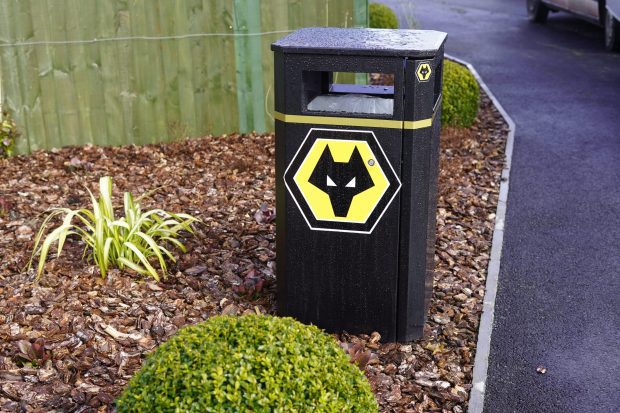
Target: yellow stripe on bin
(418,124)
(373,123)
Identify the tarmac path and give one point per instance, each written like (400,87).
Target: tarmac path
(558,298)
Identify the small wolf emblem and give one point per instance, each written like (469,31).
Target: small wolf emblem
(341,180)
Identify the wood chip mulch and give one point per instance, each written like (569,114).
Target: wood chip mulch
(71,341)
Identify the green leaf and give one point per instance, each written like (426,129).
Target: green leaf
(106,256)
(176,242)
(142,259)
(135,267)
(63,236)
(156,250)
(49,240)
(120,223)
(105,197)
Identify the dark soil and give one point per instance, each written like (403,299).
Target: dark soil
(71,341)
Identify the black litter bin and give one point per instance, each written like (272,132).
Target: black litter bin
(356,178)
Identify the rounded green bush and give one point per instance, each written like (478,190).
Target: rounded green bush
(461,95)
(381,16)
(248,363)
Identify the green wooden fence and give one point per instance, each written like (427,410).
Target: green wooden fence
(114,72)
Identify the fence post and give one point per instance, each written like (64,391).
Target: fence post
(248,65)
(360,13)
(360,19)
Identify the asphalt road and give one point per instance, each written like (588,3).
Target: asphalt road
(559,284)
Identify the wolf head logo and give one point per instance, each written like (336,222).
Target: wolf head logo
(341,180)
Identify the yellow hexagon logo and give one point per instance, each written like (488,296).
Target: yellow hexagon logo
(341,180)
(423,72)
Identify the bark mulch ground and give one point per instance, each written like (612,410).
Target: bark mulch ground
(71,341)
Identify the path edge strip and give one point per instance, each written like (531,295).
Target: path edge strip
(483,346)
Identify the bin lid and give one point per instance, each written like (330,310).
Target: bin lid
(362,42)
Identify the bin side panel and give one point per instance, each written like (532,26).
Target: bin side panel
(281,156)
(432,207)
(281,219)
(418,206)
(413,245)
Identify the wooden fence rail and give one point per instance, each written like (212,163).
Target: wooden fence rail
(115,72)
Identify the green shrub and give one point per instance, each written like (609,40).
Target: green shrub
(461,96)
(249,363)
(132,241)
(8,135)
(381,16)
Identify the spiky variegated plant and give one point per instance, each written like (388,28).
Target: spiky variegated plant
(135,240)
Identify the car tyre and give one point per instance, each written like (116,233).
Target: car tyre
(612,33)
(537,11)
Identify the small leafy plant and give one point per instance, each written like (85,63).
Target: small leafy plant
(135,241)
(8,135)
(32,352)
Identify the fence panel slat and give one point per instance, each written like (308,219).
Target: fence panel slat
(196,24)
(169,66)
(141,68)
(8,65)
(27,65)
(155,75)
(79,72)
(118,99)
(52,120)
(221,75)
(185,69)
(66,101)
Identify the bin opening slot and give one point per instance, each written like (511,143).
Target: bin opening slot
(346,92)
